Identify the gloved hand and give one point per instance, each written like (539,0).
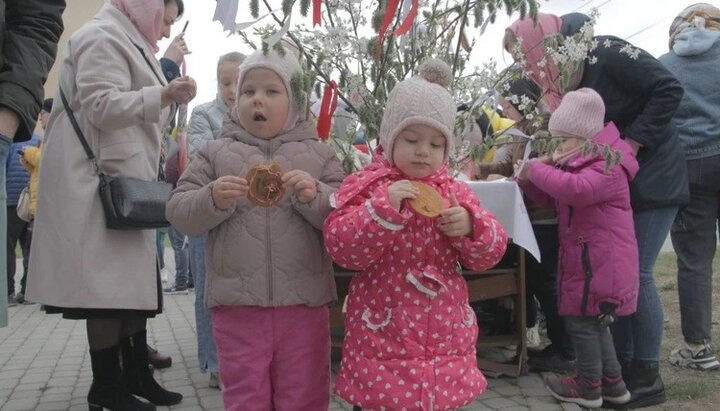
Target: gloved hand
(607,313)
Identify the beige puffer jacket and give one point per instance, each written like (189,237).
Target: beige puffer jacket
(263,256)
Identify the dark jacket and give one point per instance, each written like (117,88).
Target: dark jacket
(29,32)
(641,97)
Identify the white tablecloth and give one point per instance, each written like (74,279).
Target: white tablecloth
(504,199)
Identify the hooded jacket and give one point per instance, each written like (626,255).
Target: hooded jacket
(261,256)
(598,259)
(409,332)
(695,62)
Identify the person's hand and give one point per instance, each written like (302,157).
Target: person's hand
(524,167)
(455,221)
(545,159)
(177,49)
(493,177)
(634,145)
(181,90)
(302,184)
(227,190)
(400,190)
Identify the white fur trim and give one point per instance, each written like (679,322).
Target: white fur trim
(384,223)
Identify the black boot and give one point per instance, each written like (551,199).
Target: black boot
(645,386)
(107,389)
(138,377)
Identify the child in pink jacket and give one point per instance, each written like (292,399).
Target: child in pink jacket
(410,334)
(598,263)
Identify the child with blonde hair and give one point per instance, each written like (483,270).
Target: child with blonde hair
(405,223)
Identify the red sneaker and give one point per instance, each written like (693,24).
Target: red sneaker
(578,390)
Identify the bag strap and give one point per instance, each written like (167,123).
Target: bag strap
(81,136)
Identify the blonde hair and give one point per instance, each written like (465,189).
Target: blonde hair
(509,40)
(232,57)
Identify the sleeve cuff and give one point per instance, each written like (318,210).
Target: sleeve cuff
(384,213)
(170,69)
(152,101)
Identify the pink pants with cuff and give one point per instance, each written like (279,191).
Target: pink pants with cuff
(273,358)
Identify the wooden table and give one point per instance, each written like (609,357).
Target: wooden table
(505,201)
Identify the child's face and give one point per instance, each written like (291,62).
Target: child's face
(263,103)
(568,144)
(227,82)
(419,150)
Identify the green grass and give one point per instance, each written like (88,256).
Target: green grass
(685,389)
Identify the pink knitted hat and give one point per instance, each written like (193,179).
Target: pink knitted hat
(423,99)
(581,113)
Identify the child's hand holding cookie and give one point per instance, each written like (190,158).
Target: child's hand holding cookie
(455,221)
(400,190)
(227,190)
(302,183)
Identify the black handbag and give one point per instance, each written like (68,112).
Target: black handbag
(129,203)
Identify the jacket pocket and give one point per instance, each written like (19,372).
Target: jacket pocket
(122,159)
(390,334)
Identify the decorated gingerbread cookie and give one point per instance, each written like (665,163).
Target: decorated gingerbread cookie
(266,187)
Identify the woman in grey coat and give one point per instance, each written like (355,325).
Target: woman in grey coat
(115,89)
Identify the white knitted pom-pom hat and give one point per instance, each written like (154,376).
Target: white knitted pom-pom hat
(423,99)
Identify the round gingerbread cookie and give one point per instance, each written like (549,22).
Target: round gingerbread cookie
(428,201)
(265,181)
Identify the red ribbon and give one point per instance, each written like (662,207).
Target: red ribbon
(409,19)
(406,25)
(327,109)
(316,12)
(389,15)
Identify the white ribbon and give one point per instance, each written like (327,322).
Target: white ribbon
(225,13)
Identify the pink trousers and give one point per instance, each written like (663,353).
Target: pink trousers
(273,359)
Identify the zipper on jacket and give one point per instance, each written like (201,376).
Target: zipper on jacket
(271,283)
(268,232)
(587,268)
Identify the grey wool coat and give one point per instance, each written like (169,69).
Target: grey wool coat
(115,95)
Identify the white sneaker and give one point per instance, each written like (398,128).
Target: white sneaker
(164,275)
(533,337)
(698,357)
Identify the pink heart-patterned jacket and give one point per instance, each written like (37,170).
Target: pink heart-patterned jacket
(410,334)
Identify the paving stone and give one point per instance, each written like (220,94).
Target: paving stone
(45,365)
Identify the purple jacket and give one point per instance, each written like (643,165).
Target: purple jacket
(598,249)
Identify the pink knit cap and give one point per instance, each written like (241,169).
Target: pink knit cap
(423,99)
(581,113)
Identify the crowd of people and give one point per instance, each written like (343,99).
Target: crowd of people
(261,210)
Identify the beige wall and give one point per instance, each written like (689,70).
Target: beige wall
(77,13)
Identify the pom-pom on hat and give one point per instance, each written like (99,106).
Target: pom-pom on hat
(423,99)
(581,113)
(282,59)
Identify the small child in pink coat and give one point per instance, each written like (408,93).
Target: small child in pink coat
(598,262)
(410,334)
